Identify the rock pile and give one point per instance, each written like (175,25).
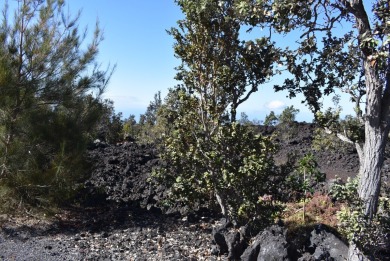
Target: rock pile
(273,244)
(122,171)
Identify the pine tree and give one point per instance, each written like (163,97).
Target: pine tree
(50,89)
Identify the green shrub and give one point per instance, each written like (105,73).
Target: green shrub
(304,178)
(235,163)
(323,141)
(372,236)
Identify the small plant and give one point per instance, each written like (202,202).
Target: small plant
(307,166)
(305,177)
(345,192)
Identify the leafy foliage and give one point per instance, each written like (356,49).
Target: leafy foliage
(322,141)
(271,119)
(351,127)
(308,168)
(216,64)
(212,155)
(372,236)
(326,60)
(287,127)
(234,163)
(130,127)
(345,192)
(150,125)
(305,177)
(110,126)
(288,115)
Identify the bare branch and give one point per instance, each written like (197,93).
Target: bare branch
(342,137)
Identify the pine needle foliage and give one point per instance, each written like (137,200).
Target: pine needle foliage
(50,100)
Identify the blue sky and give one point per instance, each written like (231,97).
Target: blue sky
(135,39)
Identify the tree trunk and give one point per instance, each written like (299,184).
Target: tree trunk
(370,170)
(376,123)
(222,203)
(376,135)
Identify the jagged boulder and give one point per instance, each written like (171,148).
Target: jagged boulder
(228,240)
(270,244)
(327,245)
(317,243)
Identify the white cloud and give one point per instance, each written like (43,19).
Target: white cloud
(274,105)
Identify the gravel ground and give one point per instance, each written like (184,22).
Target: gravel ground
(139,235)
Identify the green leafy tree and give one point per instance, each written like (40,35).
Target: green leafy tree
(209,151)
(357,62)
(150,127)
(217,65)
(327,59)
(130,127)
(271,119)
(150,116)
(234,165)
(110,125)
(50,99)
(287,126)
(288,115)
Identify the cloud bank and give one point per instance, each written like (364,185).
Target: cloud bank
(274,105)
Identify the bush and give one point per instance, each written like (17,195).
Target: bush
(372,236)
(236,164)
(323,141)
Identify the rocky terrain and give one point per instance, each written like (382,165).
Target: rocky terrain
(105,233)
(121,220)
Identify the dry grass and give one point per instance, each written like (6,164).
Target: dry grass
(319,208)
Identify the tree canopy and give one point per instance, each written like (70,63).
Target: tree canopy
(208,152)
(355,61)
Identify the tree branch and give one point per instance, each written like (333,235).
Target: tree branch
(342,137)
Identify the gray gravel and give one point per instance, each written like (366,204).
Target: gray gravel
(148,238)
